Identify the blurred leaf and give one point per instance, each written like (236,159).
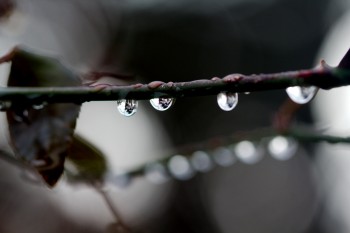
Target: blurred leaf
(41,137)
(88,164)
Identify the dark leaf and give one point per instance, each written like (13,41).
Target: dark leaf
(87,163)
(43,136)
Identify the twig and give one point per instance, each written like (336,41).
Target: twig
(324,77)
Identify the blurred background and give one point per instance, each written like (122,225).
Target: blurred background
(248,190)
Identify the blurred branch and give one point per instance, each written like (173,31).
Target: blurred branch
(324,77)
(315,137)
(301,135)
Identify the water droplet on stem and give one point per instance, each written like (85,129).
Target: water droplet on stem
(301,95)
(127,107)
(227,100)
(162,103)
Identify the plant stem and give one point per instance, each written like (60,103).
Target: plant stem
(324,77)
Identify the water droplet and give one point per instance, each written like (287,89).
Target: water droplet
(282,148)
(301,95)
(201,161)
(39,106)
(127,107)
(180,168)
(247,152)
(5,105)
(223,157)
(156,173)
(162,104)
(247,93)
(227,100)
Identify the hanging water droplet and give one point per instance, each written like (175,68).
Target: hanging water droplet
(156,173)
(223,157)
(201,161)
(301,95)
(5,105)
(282,148)
(162,103)
(247,152)
(227,100)
(180,168)
(39,106)
(127,107)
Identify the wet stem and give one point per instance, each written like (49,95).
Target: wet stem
(323,77)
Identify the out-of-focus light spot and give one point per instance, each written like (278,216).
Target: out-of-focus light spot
(223,157)
(180,168)
(156,173)
(247,152)
(282,148)
(201,161)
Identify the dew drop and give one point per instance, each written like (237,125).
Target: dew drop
(156,173)
(282,148)
(201,161)
(180,168)
(301,95)
(247,152)
(227,100)
(127,107)
(162,104)
(5,105)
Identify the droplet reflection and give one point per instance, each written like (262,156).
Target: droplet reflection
(39,106)
(127,107)
(227,100)
(301,95)
(162,104)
